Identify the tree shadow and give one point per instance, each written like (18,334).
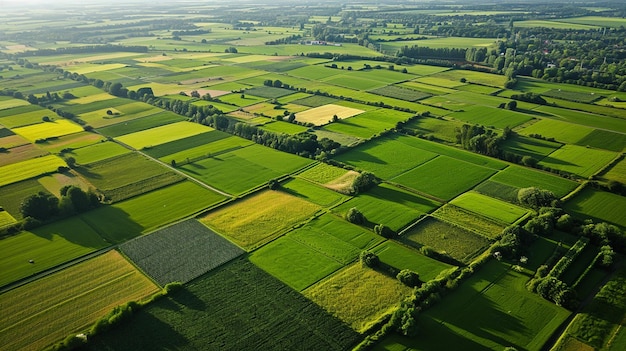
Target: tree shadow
(358,155)
(557,161)
(86,172)
(189,299)
(112,223)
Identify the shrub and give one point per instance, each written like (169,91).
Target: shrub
(355,216)
(384,231)
(369,259)
(408,278)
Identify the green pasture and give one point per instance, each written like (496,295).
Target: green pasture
(510,315)
(453,152)
(369,123)
(427,88)
(489,207)
(357,295)
(284,127)
(604,139)
(12,195)
(79,109)
(322,173)
(269,214)
(215,143)
(6,219)
(491,117)
(181,145)
(315,72)
(479,89)
(163,134)
(439,82)
(396,91)
(489,79)
(54,182)
(583,118)
(46,130)
(297,260)
(522,177)
(343,139)
(20,109)
(616,172)
(141,214)
(71,141)
(72,298)
(444,102)
(27,118)
(440,129)
(34,167)
(7,102)
(47,246)
(96,152)
(386,157)
(552,24)
(443,42)
(455,241)
(444,177)
(498,190)
(389,205)
(314,101)
(469,220)
(578,160)
(141,124)
(210,313)
(599,21)
(330,225)
(403,257)
(597,109)
(312,192)
(533,147)
(599,205)
(562,131)
(244,168)
(120,114)
(236,99)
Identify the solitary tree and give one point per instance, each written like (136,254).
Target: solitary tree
(40,206)
(408,278)
(369,259)
(355,216)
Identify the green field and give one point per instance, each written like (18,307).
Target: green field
(489,207)
(457,242)
(16,172)
(140,124)
(578,160)
(526,146)
(444,177)
(47,246)
(71,299)
(491,117)
(71,141)
(359,296)
(214,311)
(12,195)
(141,214)
(96,152)
(522,177)
(402,257)
(370,123)
(389,205)
(386,157)
(260,163)
(270,213)
(468,220)
(311,192)
(16,118)
(328,224)
(186,144)
(599,205)
(617,172)
(604,139)
(322,173)
(284,127)
(561,131)
(163,134)
(213,144)
(7,102)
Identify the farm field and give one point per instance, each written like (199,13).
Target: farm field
(70,141)
(324,114)
(271,213)
(97,152)
(311,192)
(188,143)
(47,246)
(578,160)
(71,299)
(20,153)
(402,257)
(375,292)
(12,195)
(238,307)
(561,131)
(521,177)
(47,130)
(140,124)
(532,147)
(369,123)
(180,252)
(468,220)
(163,134)
(489,207)
(34,167)
(594,204)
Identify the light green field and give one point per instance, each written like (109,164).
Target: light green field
(295,263)
(358,296)
(522,177)
(54,182)
(402,257)
(427,88)
(47,246)
(617,172)
(552,24)
(329,224)
(526,146)
(28,118)
(561,131)
(584,118)
(322,173)
(163,134)
(489,207)
(6,218)
(71,141)
(369,123)
(449,42)
(270,213)
(97,152)
(284,127)
(599,21)
(142,214)
(578,160)
(311,192)
(140,124)
(7,102)
(444,177)
(30,168)
(599,205)
(45,130)
(71,299)
(494,80)
(90,67)
(491,117)
(469,220)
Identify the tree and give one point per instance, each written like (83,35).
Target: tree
(512,105)
(363,182)
(536,198)
(116,89)
(369,259)
(408,278)
(45,119)
(71,161)
(384,231)
(273,184)
(40,206)
(355,216)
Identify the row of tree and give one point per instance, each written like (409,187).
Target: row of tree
(44,206)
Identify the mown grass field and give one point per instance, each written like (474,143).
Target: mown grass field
(403,257)
(444,177)
(260,163)
(49,309)
(370,123)
(616,172)
(357,295)
(561,131)
(599,205)
(459,243)
(269,214)
(188,143)
(489,207)
(329,224)
(34,167)
(97,152)
(140,124)
(54,182)
(215,144)
(141,214)
(47,246)
(16,118)
(522,177)
(239,307)
(309,191)
(283,127)
(389,205)
(510,315)
(180,252)
(532,147)
(71,141)
(578,160)
(7,102)
(322,173)
(163,134)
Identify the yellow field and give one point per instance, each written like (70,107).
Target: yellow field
(163,134)
(159,89)
(91,98)
(53,183)
(266,215)
(324,114)
(28,169)
(63,59)
(358,296)
(45,130)
(49,309)
(90,67)
(6,218)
